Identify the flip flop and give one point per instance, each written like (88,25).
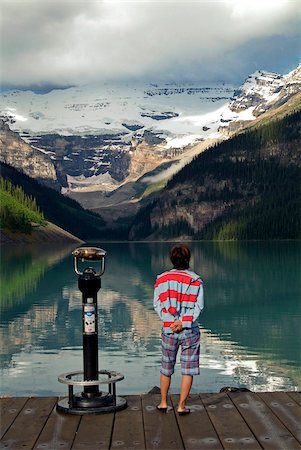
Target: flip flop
(163,410)
(184,412)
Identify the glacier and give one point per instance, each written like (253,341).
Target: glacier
(100,136)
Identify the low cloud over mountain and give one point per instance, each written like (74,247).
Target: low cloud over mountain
(66,42)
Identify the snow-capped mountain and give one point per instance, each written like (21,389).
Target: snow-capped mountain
(94,133)
(115,110)
(263,89)
(98,136)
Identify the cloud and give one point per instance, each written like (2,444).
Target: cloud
(76,42)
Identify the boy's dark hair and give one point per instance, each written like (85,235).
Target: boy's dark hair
(180,257)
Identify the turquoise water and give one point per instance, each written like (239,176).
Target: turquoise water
(250,327)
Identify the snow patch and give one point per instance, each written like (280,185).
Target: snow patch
(183,141)
(11,112)
(102,182)
(247,114)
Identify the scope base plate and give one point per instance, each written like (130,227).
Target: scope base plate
(99,405)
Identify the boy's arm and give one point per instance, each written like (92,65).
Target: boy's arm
(156,301)
(199,306)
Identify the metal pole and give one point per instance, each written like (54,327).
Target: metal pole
(89,284)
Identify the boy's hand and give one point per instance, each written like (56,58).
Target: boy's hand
(176,326)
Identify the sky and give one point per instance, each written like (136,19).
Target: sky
(67,42)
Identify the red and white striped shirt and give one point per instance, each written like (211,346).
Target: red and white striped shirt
(178,294)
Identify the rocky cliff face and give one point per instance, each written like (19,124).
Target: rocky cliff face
(79,158)
(15,152)
(265,90)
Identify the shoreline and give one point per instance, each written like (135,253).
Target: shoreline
(51,234)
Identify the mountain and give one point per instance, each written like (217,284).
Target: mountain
(95,134)
(16,152)
(247,187)
(112,147)
(21,220)
(56,208)
(263,91)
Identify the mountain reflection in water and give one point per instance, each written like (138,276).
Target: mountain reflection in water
(250,326)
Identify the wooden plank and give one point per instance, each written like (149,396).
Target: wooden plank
(58,432)
(228,423)
(9,410)
(288,411)
(94,432)
(296,396)
(196,429)
(267,428)
(27,426)
(161,430)
(128,432)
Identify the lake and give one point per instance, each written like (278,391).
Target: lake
(250,327)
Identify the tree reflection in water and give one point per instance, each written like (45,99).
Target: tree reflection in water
(250,325)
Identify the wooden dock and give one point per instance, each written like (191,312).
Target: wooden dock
(230,421)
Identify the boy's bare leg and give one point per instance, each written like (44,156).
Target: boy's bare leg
(164,386)
(185,390)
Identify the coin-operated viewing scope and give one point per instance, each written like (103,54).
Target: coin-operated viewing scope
(89,254)
(90,400)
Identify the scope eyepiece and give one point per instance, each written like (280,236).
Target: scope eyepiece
(89,254)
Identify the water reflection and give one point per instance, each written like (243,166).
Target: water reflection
(250,326)
(21,269)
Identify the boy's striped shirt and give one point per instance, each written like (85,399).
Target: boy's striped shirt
(178,294)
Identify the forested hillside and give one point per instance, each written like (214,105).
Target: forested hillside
(62,211)
(18,211)
(247,187)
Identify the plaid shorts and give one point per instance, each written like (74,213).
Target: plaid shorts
(189,340)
